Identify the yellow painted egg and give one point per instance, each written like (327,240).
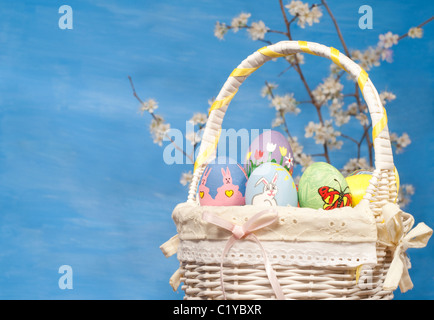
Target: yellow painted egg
(358,181)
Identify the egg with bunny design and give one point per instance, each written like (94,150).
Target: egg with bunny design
(270,184)
(223,183)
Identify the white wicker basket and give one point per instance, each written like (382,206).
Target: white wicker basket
(300,253)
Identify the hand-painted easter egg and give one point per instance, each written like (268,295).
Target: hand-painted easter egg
(358,181)
(270,146)
(223,183)
(271,184)
(358,184)
(323,186)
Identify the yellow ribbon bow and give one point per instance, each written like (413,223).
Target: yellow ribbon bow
(393,233)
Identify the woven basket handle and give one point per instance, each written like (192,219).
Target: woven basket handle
(382,147)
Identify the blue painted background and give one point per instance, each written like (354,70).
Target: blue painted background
(81,182)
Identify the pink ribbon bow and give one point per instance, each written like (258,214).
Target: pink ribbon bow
(246,232)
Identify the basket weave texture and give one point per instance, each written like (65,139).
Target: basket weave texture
(250,252)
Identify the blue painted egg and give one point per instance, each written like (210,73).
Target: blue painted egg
(271,184)
(223,183)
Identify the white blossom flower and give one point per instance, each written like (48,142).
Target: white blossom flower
(341,117)
(297,7)
(257,30)
(363,118)
(305,161)
(386,96)
(296,147)
(337,144)
(415,32)
(387,55)
(301,10)
(199,118)
(404,194)
(352,109)
(158,129)
(329,89)
(267,90)
(323,133)
(186,178)
(240,21)
(335,69)
(149,106)
(277,121)
(292,58)
(387,40)
(286,103)
(193,137)
(310,129)
(356,164)
(400,142)
(404,140)
(220,30)
(369,58)
(409,189)
(313,16)
(335,106)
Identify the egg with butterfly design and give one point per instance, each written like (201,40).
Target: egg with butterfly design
(322,186)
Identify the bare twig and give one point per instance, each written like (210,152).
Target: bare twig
(347,52)
(285,19)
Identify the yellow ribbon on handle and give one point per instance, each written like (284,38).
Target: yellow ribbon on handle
(217,104)
(206,154)
(392,233)
(379,126)
(334,54)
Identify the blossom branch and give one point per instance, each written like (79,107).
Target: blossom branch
(157,120)
(419,26)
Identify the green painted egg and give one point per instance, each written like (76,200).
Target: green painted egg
(322,186)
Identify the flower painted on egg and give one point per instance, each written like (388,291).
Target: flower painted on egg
(270,146)
(259,154)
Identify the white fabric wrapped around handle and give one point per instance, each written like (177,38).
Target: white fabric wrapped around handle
(381,138)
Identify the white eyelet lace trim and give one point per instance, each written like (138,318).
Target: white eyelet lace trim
(280,253)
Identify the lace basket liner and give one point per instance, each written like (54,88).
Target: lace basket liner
(318,254)
(300,236)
